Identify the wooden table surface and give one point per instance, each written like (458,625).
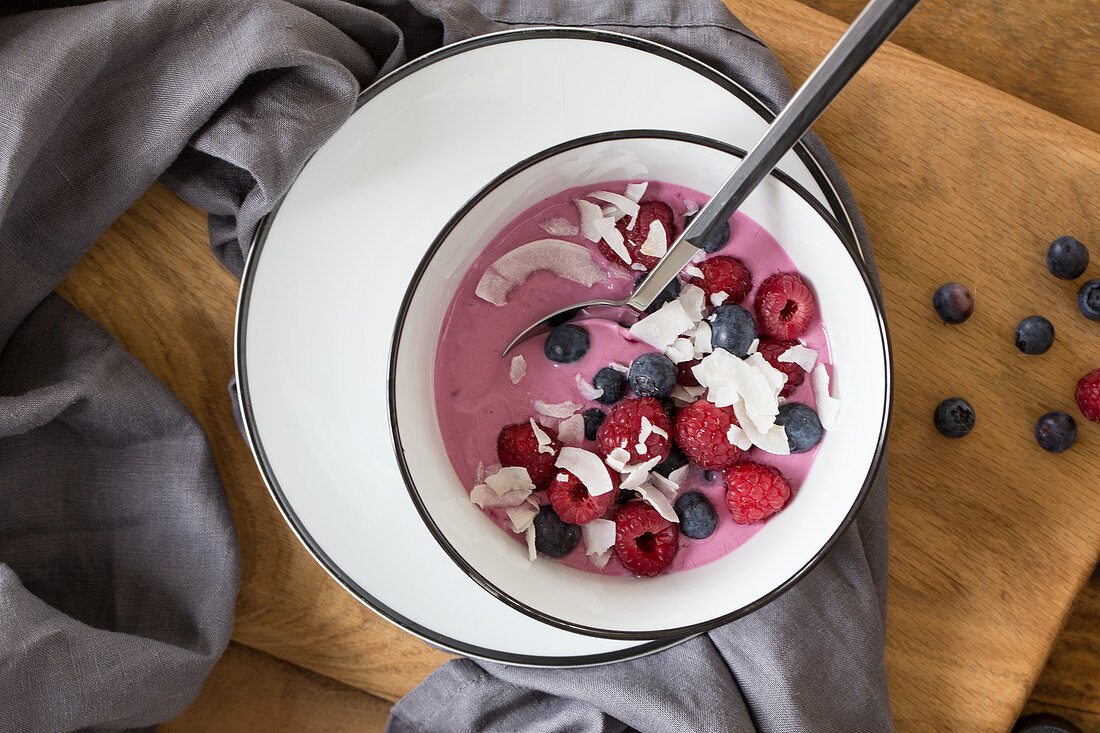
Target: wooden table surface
(969,145)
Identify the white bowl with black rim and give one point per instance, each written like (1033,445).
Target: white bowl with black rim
(791,542)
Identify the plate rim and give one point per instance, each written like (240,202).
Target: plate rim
(244,401)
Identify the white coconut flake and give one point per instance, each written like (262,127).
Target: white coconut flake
(658,501)
(701,340)
(774,377)
(687,394)
(619,367)
(738,437)
(493,288)
(529,535)
(598,536)
(693,271)
(772,440)
(521,517)
(588,390)
(663,327)
(483,496)
(571,430)
(690,207)
(648,429)
(691,298)
(510,478)
(547,422)
(730,380)
(668,487)
(590,214)
(587,467)
(541,438)
(617,458)
(635,191)
(626,206)
(753,347)
(656,240)
(640,449)
(828,407)
(800,355)
(518,369)
(619,248)
(556,409)
(717,299)
(559,226)
(569,260)
(681,350)
(680,475)
(638,473)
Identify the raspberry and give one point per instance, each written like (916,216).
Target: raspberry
(571,500)
(784,306)
(727,275)
(623,427)
(684,375)
(517,446)
(701,432)
(1088,395)
(648,212)
(645,541)
(770,349)
(755,492)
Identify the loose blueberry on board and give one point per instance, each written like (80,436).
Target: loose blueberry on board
(1067,258)
(715,241)
(653,375)
(698,519)
(670,293)
(553,537)
(593,419)
(953,303)
(733,329)
(1034,335)
(613,384)
(566,343)
(802,425)
(1056,432)
(1087,395)
(676,459)
(954,417)
(1088,299)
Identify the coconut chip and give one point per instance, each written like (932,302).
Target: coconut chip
(717,299)
(681,350)
(731,380)
(587,467)
(667,486)
(800,355)
(648,429)
(571,430)
(635,191)
(510,478)
(753,346)
(691,298)
(663,327)
(680,475)
(828,407)
(690,207)
(556,409)
(656,240)
(590,213)
(493,288)
(658,501)
(559,226)
(541,438)
(687,394)
(738,437)
(693,271)
(617,458)
(529,535)
(565,259)
(485,497)
(620,367)
(518,369)
(772,440)
(598,536)
(624,205)
(588,390)
(701,339)
(638,472)
(523,516)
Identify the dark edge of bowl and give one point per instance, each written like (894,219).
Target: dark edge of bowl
(259,238)
(703,626)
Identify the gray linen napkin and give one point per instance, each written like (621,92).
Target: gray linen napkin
(118,561)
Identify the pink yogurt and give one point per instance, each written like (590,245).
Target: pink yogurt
(474,393)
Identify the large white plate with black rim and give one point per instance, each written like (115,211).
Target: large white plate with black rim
(328,270)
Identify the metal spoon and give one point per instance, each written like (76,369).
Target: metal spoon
(869,31)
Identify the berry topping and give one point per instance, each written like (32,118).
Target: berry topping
(698,519)
(802,426)
(702,432)
(648,212)
(566,343)
(652,375)
(573,503)
(1056,432)
(770,349)
(953,303)
(784,306)
(623,429)
(517,445)
(732,329)
(684,375)
(554,537)
(1088,299)
(670,293)
(755,492)
(715,241)
(645,541)
(676,459)
(954,417)
(1034,335)
(1088,395)
(1067,258)
(613,384)
(727,276)
(593,419)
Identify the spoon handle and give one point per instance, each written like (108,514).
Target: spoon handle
(869,31)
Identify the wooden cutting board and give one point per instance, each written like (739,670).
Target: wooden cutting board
(990,536)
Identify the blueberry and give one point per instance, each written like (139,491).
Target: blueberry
(613,384)
(953,302)
(553,537)
(676,459)
(802,425)
(697,516)
(715,241)
(732,328)
(1088,299)
(954,417)
(1056,432)
(566,343)
(1034,335)
(593,419)
(626,495)
(1067,258)
(653,375)
(670,293)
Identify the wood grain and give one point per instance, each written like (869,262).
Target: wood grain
(991,538)
(1045,53)
(1071,677)
(252,691)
